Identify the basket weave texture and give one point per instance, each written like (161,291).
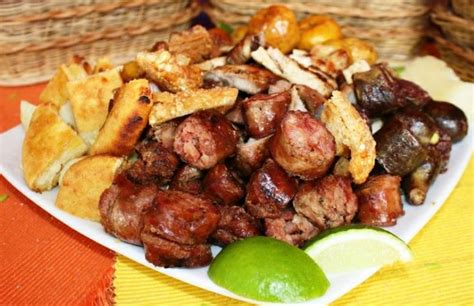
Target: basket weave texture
(35,43)
(455,28)
(404,22)
(464,8)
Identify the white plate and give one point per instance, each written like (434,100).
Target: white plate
(407,227)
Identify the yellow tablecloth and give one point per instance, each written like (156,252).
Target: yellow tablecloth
(442,273)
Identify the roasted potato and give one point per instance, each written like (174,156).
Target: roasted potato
(358,49)
(278,25)
(317,30)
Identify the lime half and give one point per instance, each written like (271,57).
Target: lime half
(354,247)
(267,269)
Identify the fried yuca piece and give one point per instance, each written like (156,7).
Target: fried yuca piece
(170,72)
(352,134)
(90,99)
(126,121)
(83,183)
(48,144)
(56,92)
(168,106)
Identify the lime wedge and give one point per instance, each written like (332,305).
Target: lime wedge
(354,247)
(267,269)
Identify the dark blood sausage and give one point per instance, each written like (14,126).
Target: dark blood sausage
(263,113)
(165,253)
(155,163)
(250,156)
(327,202)
(269,191)
(303,146)
(122,206)
(449,118)
(290,227)
(222,186)
(188,179)
(181,217)
(176,229)
(235,224)
(204,139)
(379,200)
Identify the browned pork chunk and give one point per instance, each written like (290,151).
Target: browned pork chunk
(204,139)
(263,113)
(122,206)
(290,227)
(164,133)
(235,224)
(177,227)
(303,146)
(222,186)
(379,199)
(188,179)
(269,191)
(250,155)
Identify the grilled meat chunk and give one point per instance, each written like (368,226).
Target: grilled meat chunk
(188,179)
(250,155)
(235,224)
(222,186)
(290,227)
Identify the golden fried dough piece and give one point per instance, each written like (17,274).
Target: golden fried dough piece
(126,120)
(55,92)
(168,106)
(196,43)
(90,99)
(48,144)
(170,72)
(102,64)
(351,133)
(83,184)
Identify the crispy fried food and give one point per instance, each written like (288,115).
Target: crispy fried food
(283,66)
(196,44)
(127,119)
(168,106)
(48,144)
(278,25)
(55,92)
(170,72)
(352,134)
(90,98)
(26,112)
(102,64)
(316,30)
(83,183)
(131,71)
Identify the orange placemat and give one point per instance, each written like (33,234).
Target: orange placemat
(42,261)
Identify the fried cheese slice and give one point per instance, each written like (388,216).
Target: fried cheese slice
(48,144)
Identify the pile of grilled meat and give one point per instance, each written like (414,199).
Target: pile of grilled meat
(266,167)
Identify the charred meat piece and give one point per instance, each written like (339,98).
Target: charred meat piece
(235,114)
(328,202)
(222,186)
(403,141)
(204,139)
(303,146)
(240,54)
(246,78)
(122,206)
(263,113)
(376,91)
(155,164)
(235,224)
(195,43)
(181,217)
(290,227)
(164,133)
(165,253)
(269,191)
(250,156)
(379,200)
(279,86)
(188,179)
(221,42)
(449,118)
(311,99)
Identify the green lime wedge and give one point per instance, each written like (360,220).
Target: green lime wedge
(267,269)
(354,247)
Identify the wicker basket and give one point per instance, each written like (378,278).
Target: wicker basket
(34,45)
(464,8)
(372,20)
(455,28)
(460,59)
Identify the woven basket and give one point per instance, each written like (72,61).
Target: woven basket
(34,45)
(460,59)
(464,8)
(367,19)
(455,28)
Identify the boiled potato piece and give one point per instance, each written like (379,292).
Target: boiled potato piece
(316,30)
